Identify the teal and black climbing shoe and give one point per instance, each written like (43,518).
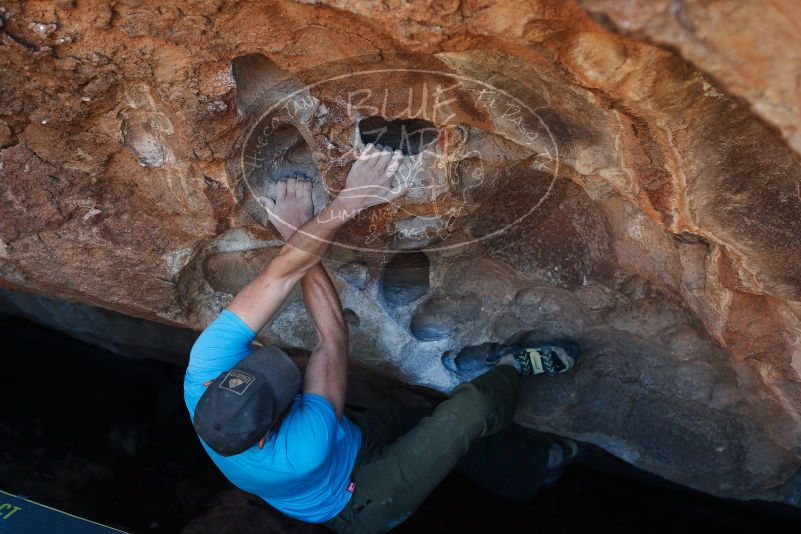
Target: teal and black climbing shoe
(552,358)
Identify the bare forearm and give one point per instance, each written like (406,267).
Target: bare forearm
(327,370)
(261,298)
(324,307)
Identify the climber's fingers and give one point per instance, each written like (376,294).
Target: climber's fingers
(394,163)
(280,190)
(306,188)
(383,158)
(291,188)
(207,384)
(367,153)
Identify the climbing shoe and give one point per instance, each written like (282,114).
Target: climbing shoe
(560,454)
(553,358)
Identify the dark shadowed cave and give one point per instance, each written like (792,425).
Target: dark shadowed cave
(105,437)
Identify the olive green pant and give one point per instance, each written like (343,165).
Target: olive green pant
(407,452)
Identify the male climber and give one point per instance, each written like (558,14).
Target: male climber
(292,442)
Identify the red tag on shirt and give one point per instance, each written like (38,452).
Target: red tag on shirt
(351,487)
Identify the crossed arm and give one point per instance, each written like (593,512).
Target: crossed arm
(327,370)
(368,184)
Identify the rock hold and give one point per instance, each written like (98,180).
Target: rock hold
(567,178)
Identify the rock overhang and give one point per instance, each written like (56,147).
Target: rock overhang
(666,242)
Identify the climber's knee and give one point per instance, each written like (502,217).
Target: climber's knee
(491,398)
(469,403)
(471,397)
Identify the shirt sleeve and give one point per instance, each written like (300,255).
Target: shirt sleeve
(223,344)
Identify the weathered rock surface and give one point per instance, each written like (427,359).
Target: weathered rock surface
(750,47)
(570,179)
(132,337)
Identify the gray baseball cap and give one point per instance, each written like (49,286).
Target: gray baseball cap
(241,405)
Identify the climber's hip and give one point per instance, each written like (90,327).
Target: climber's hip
(407,452)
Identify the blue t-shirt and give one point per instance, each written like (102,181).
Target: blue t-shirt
(305,466)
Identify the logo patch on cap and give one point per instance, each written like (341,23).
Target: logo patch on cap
(237,382)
